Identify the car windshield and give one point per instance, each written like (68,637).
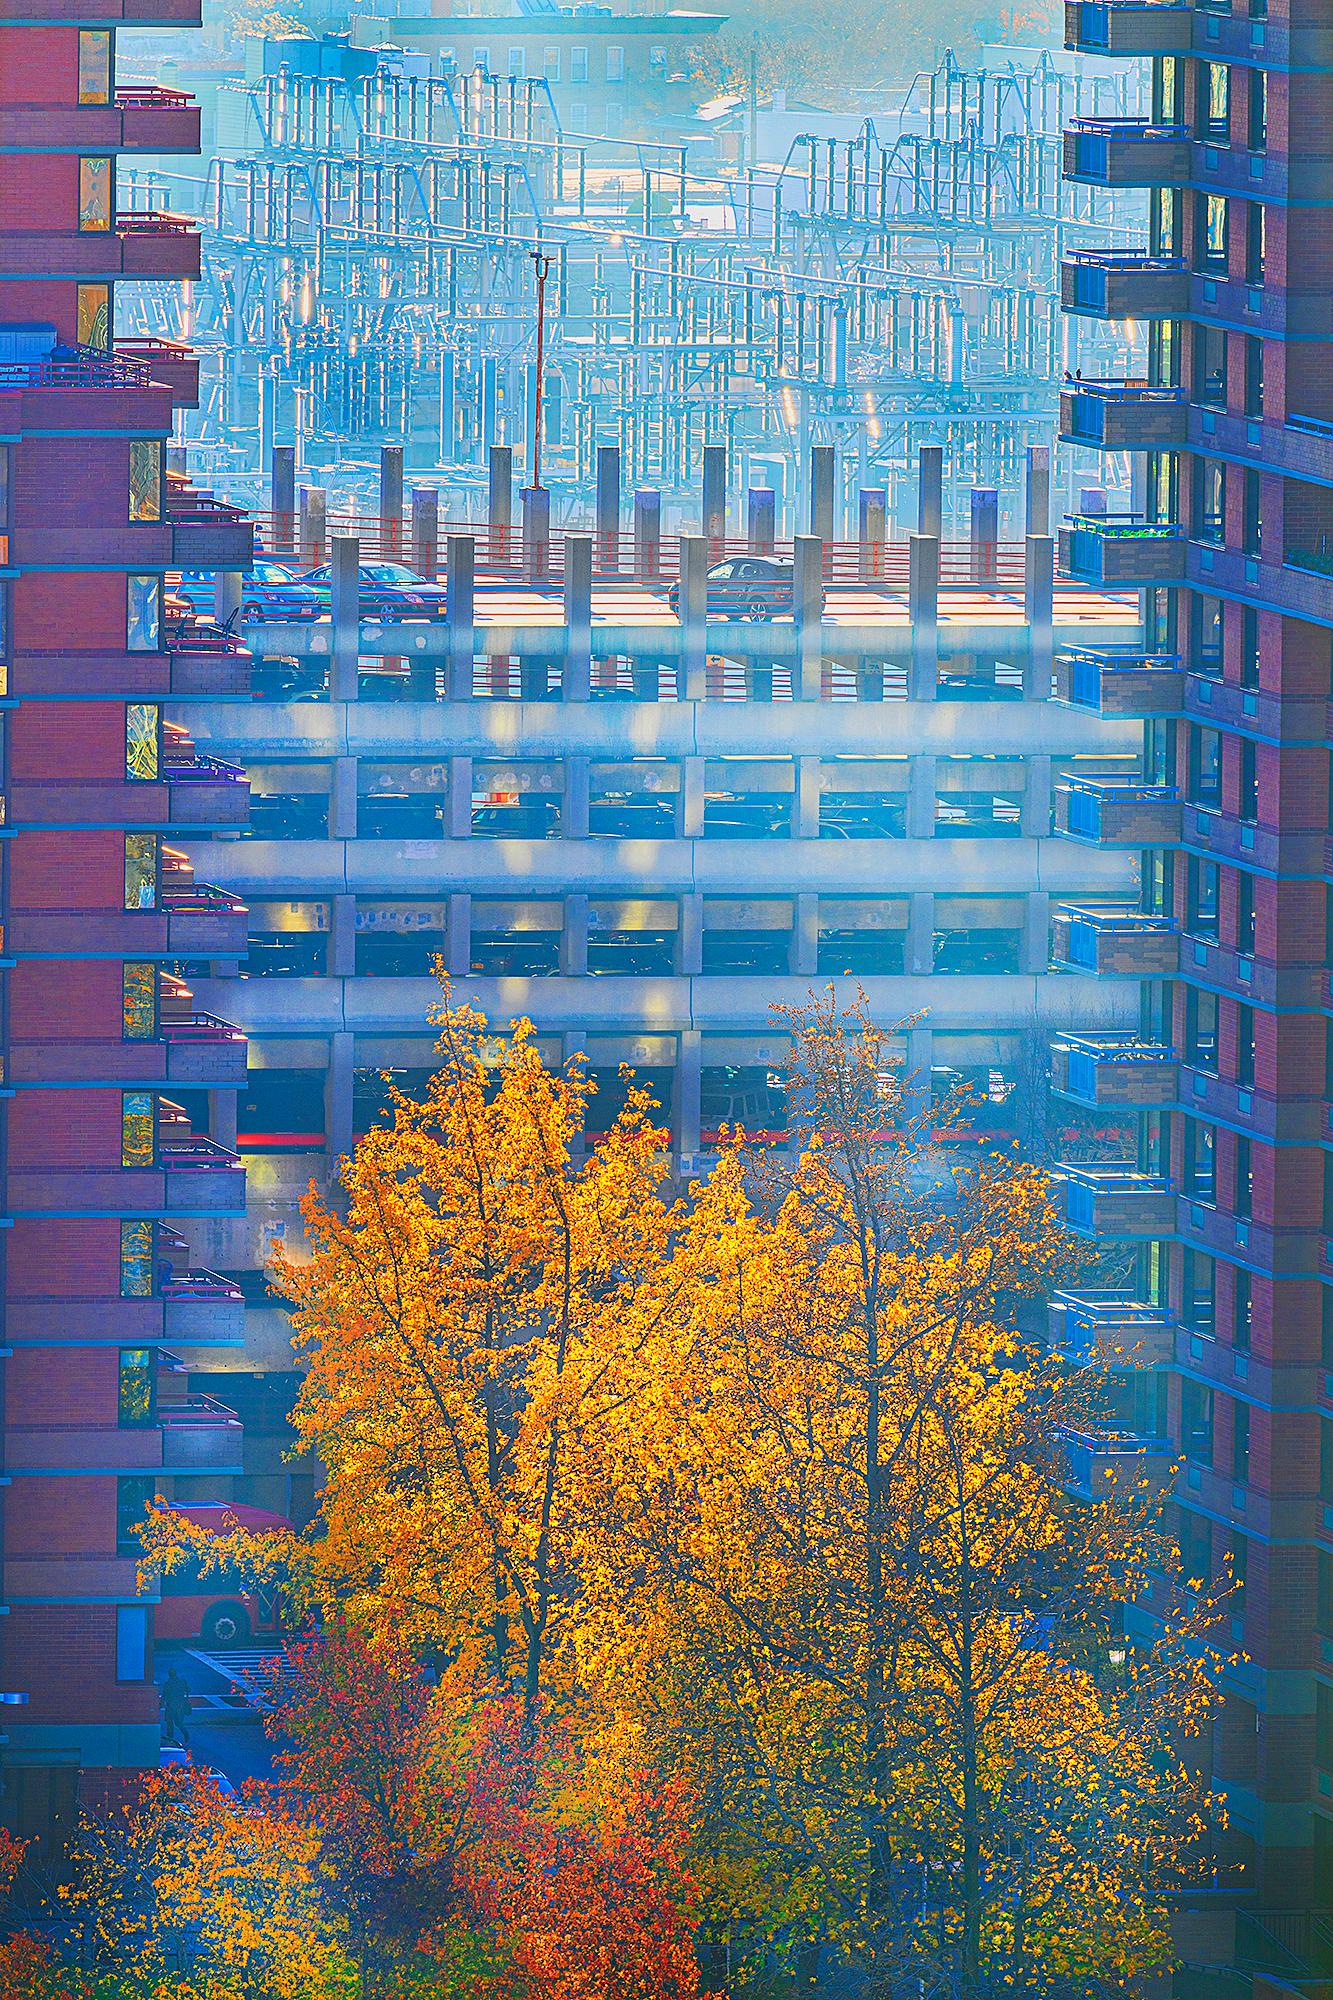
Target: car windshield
(388,573)
(272,573)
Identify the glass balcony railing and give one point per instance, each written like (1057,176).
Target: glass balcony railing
(1110,1329)
(1118,1202)
(1114,682)
(1114,1464)
(1114,812)
(1113,1069)
(1128,942)
(1124,284)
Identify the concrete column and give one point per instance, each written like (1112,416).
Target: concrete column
(313,529)
(500,498)
(647,534)
(690,937)
(342,938)
(805,803)
(282,497)
(577,677)
(921,781)
(391,499)
(920,1055)
(343,800)
(985,533)
(460,559)
(1039,606)
(691,798)
(608,507)
(574,937)
(693,616)
(222,1109)
(536,533)
(923,610)
(1037,493)
(458,950)
(346,617)
(448,413)
(227,595)
(458,802)
(804,955)
(1035,950)
(808,599)
(687,1097)
(338,1096)
(575,798)
(871,531)
(761,511)
(425,531)
(715,495)
(1036,811)
(823,475)
(930,491)
(919,956)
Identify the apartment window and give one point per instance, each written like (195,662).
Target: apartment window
(136,1260)
(1242,1326)
(1196,1421)
(1163,486)
(1245,913)
(1164,354)
(94,193)
(145,479)
(518,62)
(1159,620)
(132,1642)
(143,722)
(1240,1443)
(1200,1161)
(1244,1202)
(1258,118)
(136,1388)
(92,316)
(1208,624)
(1249,780)
(1210,366)
(1326,1461)
(1198,1298)
(615,65)
(1166,90)
(134,1497)
(551,65)
(138,1122)
(1244,1044)
(1256,241)
(1214,101)
(1210,509)
(481,59)
(1202,898)
(1251,518)
(1254,376)
(1165,211)
(143,613)
(141,871)
(94,66)
(1201,1029)
(1205,766)
(1210,250)
(139,1013)
(1249,647)
(1240,1570)
(578,65)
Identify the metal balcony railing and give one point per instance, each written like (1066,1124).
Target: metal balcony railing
(196,1154)
(199,1285)
(198,1027)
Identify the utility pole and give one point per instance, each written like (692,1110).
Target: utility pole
(542,265)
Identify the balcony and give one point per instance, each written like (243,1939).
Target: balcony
(157,244)
(1113,812)
(1125,153)
(153,120)
(204,922)
(1114,1465)
(1124,284)
(204,791)
(1123,416)
(199,1308)
(1122,551)
(1118,1203)
(1110,1329)
(199,1434)
(207,661)
(1113,1070)
(169,362)
(206,533)
(1113,683)
(1129,943)
(203,1178)
(1128,27)
(200,1048)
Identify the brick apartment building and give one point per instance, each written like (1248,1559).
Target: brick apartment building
(109,1068)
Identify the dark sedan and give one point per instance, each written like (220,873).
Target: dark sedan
(390,590)
(269,591)
(756,587)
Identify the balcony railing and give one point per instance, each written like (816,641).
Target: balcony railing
(74,367)
(1128,27)
(1113,1070)
(196,1154)
(151,97)
(1122,415)
(201,899)
(1111,1465)
(1110,1329)
(1127,942)
(199,1434)
(1122,549)
(1126,152)
(201,1287)
(153,222)
(1116,813)
(1124,284)
(198,1027)
(1118,1202)
(1115,683)
(199,769)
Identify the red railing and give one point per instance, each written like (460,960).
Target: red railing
(75,368)
(154,222)
(151,97)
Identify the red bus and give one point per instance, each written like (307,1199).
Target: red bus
(217,1608)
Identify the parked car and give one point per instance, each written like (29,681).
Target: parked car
(390,590)
(757,587)
(270,591)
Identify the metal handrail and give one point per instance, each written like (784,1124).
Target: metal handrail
(196,1153)
(198,1027)
(154,222)
(198,1411)
(200,1284)
(1141,259)
(1141,392)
